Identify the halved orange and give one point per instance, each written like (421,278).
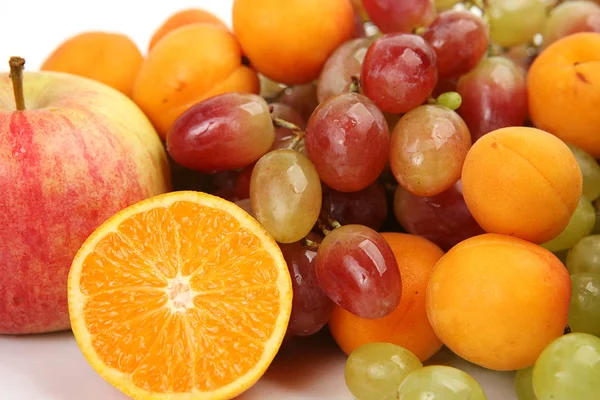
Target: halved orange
(180,296)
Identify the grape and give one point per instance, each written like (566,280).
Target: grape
(311,307)
(284,136)
(375,370)
(581,224)
(357,269)
(399,72)
(590,170)
(585,256)
(571,17)
(269,88)
(584,313)
(242,184)
(347,138)
(445,4)
(596,205)
(522,55)
(440,382)
(302,98)
(494,96)
(400,16)
(514,22)
(345,62)
(245,205)
(285,192)
(568,369)
(222,133)
(448,34)
(428,148)
(444,219)
(224,185)
(366,207)
(524,384)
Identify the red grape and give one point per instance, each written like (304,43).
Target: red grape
(347,138)
(444,219)
(224,185)
(428,149)
(572,17)
(311,307)
(399,72)
(357,270)
(494,96)
(366,207)
(449,33)
(224,132)
(400,15)
(302,98)
(242,184)
(345,62)
(283,136)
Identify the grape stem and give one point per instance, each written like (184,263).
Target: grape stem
(310,244)
(16,75)
(355,85)
(298,132)
(333,223)
(322,227)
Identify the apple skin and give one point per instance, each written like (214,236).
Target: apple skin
(79,153)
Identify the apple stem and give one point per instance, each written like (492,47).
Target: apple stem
(16,75)
(310,244)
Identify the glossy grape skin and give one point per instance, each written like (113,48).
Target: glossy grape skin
(428,149)
(584,313)
(440,382)
(515,22)
(590,169)
(524,384)
(344,63)
(347,138)
(580,225)
(494,96)
(585,256)
(357,269)
(448,34)
(366,207)
(284,136)
(311,307)
(374,370)
(400,16)
(444,219)
(568,369)
(302,98)
(222,133)
(286,195)
(571,17)
(399,72)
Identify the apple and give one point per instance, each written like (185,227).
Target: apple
(73,152)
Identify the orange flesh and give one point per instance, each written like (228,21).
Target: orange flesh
(158,307)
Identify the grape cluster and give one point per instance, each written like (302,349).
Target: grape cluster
(378,143)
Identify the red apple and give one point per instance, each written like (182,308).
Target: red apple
(78,153)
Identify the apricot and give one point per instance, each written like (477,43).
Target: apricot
(498,301)
(289,41)
(181,18)
(190,64)
(564,90)
(107,57)
(522,182)
(408,326)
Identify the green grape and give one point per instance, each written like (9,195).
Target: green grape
(590,169)
(581,224)
(445,4)
(584,313)
(440,382)
(524,384)
(375,370)
(585,256)
(568,369)
(515,22)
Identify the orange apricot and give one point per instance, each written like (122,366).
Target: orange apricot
(188,65)
(564,90)
(521,182)
(498,301)
(407,326)
(181,18)
(107,57)
(289,41)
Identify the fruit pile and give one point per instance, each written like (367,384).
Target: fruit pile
(407,174)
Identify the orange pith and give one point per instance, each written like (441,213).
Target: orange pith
(180,296)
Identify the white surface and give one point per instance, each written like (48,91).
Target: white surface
(50,367)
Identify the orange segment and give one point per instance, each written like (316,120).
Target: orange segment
(181,296)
